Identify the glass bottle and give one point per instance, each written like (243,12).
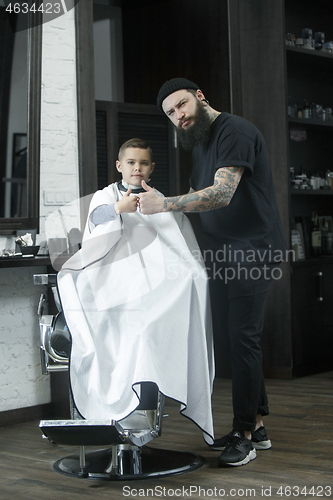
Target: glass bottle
(315,236)
(306,109)
(299,110)
(328,179)
(319,38)
(327,238)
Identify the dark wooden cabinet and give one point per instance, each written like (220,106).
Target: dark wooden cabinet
(309,76)
(312,318)
(266,74)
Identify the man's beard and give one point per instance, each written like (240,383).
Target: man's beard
(198,133)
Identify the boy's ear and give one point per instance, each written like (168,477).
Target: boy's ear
(152,167)
(118,166)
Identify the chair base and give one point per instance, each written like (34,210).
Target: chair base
(149,463)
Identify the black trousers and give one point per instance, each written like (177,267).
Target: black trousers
(238,295)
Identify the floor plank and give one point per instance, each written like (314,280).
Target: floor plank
(300,427)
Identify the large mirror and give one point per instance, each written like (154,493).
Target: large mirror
(20,42)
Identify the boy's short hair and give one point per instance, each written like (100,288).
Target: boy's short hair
(135,143)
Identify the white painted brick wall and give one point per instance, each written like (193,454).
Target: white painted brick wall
(21,382)
(59,151)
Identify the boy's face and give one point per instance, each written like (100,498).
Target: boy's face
(135,166)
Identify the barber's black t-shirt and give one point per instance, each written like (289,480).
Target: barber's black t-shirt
(249,229)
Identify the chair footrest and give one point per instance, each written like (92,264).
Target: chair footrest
(83,432)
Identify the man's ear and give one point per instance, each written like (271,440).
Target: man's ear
(118,166)
(200,94)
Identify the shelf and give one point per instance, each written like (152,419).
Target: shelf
(312,192)
(309,66)
(313,261)
(308,121)
(309,53)
(6,262)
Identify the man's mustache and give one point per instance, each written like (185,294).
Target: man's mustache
(180,123)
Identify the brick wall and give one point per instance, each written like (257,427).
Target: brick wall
(59,151)
(21,382)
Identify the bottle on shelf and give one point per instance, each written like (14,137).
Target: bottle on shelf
(299,110)
(308,39)
(327,237)
(327,47)
(315,236)
(299,43)
(290,39)
(313,182)
(328,179)
(292,109)
(319,40)
(328,114)
(306,109)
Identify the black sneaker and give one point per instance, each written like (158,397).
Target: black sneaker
(260,440)
(220,444)
(239,451)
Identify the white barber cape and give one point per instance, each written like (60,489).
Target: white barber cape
(136,301)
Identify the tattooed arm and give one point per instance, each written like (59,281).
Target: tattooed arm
(218,195)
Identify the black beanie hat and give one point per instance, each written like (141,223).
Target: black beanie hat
(173,85)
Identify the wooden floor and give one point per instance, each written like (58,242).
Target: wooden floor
(300,428)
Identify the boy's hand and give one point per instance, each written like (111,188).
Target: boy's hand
(150,202)
(127,203)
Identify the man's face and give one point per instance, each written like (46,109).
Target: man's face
(189,116)
(135,166)
(181,107)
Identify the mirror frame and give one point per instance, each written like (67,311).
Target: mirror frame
(34,47)
(86,107)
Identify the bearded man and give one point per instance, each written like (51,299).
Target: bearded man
(232,188)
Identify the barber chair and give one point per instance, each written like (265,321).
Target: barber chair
(124,454)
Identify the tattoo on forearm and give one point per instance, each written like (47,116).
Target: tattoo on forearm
(216,196)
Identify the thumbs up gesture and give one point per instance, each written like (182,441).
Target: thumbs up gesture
(150,202)
(127,203)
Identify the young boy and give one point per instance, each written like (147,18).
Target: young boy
(136,165)
(135,299)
